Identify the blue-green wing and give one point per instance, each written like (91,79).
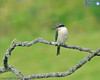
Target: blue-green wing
(56,36)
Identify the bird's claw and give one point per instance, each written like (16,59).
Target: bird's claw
(58,43)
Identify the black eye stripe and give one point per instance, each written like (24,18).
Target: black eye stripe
(61,25)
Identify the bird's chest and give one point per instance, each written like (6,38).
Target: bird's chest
(62,35)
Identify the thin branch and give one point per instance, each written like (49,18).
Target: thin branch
(62,74)
(7,68)
(8,53)
(23,44)
(2,70)
(16,72)
(13,70)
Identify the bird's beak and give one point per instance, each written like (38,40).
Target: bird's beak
(54,28)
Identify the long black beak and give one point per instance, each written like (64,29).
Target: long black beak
(54,28)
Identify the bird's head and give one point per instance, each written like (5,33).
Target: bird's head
(58,25)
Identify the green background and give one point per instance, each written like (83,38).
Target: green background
(26,20)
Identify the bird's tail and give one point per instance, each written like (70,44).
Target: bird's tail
(58,50)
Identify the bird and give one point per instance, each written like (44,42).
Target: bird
(61,35)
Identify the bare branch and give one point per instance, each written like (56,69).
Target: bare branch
(16,72)
(13,70)
(7,68)
(2,70)
(54,43)
(62,74)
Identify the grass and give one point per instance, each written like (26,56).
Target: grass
(27,20)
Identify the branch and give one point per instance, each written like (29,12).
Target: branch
(23,44)
(62,74)
(13,70)
(2,70)
(16,72)
(7,68)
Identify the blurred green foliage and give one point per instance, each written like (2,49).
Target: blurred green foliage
(26,20)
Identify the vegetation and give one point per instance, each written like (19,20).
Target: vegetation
(26,20)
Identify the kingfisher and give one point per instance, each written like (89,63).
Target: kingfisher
(61,35)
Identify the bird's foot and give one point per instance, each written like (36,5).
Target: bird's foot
(59,43)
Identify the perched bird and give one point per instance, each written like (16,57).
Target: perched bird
(61,35)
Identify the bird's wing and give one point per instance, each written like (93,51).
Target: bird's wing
(56,36)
